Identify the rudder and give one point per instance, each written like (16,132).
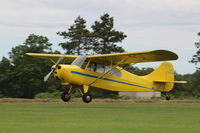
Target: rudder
(163,77)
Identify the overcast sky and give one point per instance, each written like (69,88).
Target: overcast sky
(149,24)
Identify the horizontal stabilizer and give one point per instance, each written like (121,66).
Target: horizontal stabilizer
(179,82)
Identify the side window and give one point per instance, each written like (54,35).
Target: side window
(100,68)
(92,67)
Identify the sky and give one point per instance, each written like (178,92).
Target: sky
(149,24)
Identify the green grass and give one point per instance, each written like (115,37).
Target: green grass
(99,118)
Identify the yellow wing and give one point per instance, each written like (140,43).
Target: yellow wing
(119,58)
(134,57)
(53,57)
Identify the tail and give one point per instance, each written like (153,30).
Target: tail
(163,77)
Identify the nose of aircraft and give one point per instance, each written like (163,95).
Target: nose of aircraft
(57,72)
(53,68)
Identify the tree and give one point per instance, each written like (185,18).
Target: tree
(196,57)
(78,38)
(5,73)
(106,37)
(24,75)
(193,88)
(183,90)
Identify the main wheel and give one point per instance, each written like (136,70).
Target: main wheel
(167,97)
(87,98)
(65,96)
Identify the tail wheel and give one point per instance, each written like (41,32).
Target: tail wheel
(167,97)
(87,98)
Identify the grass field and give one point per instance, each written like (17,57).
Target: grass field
(99,118)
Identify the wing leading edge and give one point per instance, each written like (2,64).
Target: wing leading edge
(119,58)
(54,57)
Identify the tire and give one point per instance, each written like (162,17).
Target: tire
(167,97)
(87,98)
(65,96)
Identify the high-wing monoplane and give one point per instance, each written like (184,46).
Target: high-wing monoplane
(89,72)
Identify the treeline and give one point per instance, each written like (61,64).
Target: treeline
(192,88)
(22,76)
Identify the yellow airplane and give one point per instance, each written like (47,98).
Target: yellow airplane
(103,72)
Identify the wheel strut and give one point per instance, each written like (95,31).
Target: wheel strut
(86,95)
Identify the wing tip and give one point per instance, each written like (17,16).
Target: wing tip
(171,55)
(28,54)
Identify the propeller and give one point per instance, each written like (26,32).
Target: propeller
(78,62)
(53,68)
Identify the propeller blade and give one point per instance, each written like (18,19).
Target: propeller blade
(48,75)
(53,68)
(59,60)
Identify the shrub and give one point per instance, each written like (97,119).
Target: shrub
(47,95)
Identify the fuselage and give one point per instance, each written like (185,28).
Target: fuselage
(124,81)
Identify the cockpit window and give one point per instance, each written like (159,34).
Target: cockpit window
(101,68)
(79,61)
(92,67)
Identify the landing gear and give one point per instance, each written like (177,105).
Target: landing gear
(87,98)
(167,96)
(66,95)
(86,95)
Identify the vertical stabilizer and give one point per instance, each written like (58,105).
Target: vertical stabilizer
(163,77)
